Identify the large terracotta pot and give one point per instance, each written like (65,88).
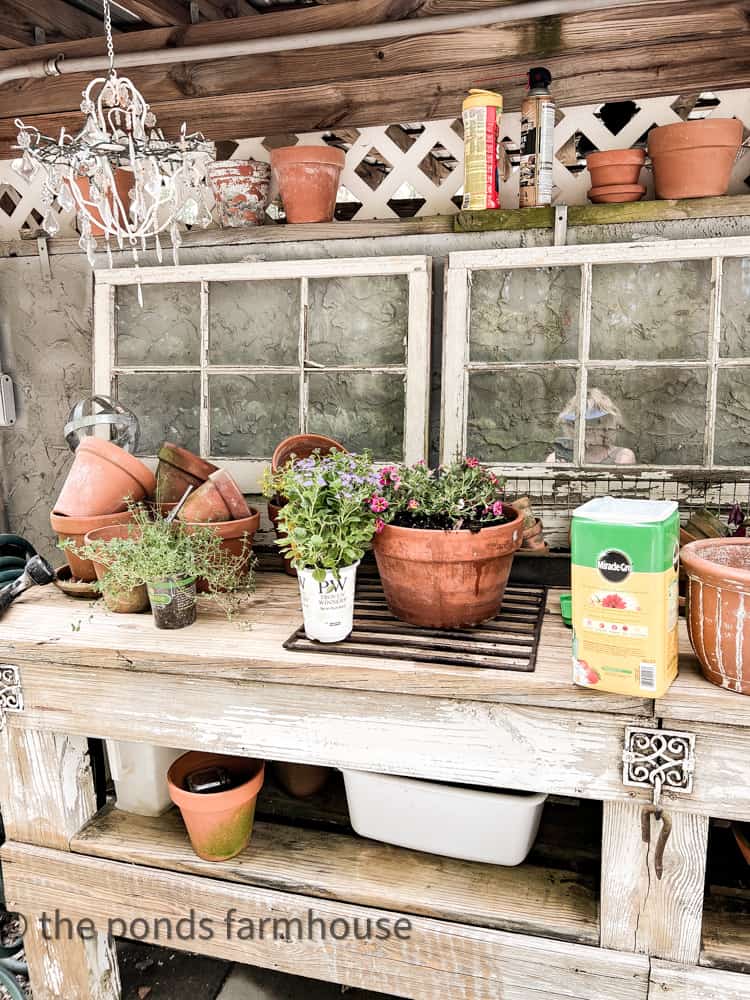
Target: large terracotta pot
(128,602)
(694,159)
(308,179)
(178,469)
(102,480)
(446,579)
(218,499)
(615,166)
(241,190)
(302,446)
(76,528)
(273,514)
(123,183)
(219,824)
(718,609)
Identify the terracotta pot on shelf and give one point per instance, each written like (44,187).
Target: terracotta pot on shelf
(718,587)
(127,603)
(308,179)
(102,479)
(218,499)
(179,468)
(616,194)
(219,824)
(76,528)
(273,514)
(446,579)
(615,166)
(123,183)
(301,780)
(302,446)
(241,190)
(694,159)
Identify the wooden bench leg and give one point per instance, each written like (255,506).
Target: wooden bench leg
(47,795)
(653,874)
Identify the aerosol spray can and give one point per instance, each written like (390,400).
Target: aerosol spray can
(482,111)
(537,140)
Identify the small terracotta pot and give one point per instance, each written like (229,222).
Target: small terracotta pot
(308,179)
(220,824)
(302,446)
(616,194)
(301,780)
(124,181)
(446,579)
(533,537)
(694,159)
(102,479)
(218,499)
(615,166)
(129,602)
(273,514)
(179,468)
(76,528)
(241,190)
(718,588)
(232,534)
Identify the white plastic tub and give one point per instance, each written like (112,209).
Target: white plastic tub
(139,772)
(467,823)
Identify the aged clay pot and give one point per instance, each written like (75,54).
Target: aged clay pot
(123,183)
(446,579)
(302,446)
(102,480)
(273,514)
(129,602)
(718,588)
(218,499)
(301,780)
(232,534)
(615,166)
(219,824)
(241,190)
(308,179)
(77,528)
(178,469)
(616,194)
(694,159)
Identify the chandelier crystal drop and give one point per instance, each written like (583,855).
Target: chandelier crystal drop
(124,179)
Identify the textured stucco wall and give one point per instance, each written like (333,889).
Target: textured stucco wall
(45,344)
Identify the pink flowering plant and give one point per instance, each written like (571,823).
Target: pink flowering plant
(328,517)
(462,495)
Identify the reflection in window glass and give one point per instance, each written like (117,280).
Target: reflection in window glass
(525,315)
(254,322)
(250,414)
(735,308)
(166,331)
(167,405)
(358,321)
(362,410)
(647,312)
(732,438)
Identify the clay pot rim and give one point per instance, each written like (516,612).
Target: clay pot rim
(242,524)
(461,533)
(129,464)
(678,136)
(698,566)
(80,525)
(605,189)
(249,162)
(231,494)
(124,531)
(324,155)
(284,451)
(218,801)
(186,461)
(615,158)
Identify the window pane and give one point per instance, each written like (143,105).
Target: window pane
(167,405)
(166,331)
(732,439)
(525,315)
(735,308)
(362,410)
(254,322)
(521,416)
(358,321)
(650,311)
(662,413)
(251,414)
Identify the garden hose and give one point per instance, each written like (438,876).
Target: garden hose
(9,983)
(14,554)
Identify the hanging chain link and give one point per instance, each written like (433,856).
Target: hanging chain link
(108,32)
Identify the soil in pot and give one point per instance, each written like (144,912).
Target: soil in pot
(615,167)
(447,579)
(179,468)
(308,179)
(173,603)
(76,528)
(219,824)
(127,602)
(301,780)
(694,159)
(241,190)
(102,480)
(218,499)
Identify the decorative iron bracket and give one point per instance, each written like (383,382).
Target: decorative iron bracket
(11,692)
(659,759)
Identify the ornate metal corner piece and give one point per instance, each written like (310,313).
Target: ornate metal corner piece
(659,759)
(11,693)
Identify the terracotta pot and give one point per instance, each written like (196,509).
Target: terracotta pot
(218,499)
(273,514)
(616,194)
(533,537)
(123,183)
(302,446)
(179,468)
(77,528)
(129,602)
(615,166)
(219,824)
(694,159)
(446,579)
(308,179)
(102,479)
(232,534)
(301,780)
(241,190)
(718,574)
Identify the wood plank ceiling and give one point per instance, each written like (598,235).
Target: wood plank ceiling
(656,47)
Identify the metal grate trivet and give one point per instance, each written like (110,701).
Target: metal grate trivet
(507,642)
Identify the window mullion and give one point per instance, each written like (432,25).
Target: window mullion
(303,346)
(205,424)
(584,347)
(714,349)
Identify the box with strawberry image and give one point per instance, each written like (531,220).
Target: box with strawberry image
(614,601)
(584,674)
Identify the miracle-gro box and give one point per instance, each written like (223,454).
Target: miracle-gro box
(625,556)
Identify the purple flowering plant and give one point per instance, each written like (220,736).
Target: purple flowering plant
(328,515)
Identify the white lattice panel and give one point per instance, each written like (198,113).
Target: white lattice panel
(423,164)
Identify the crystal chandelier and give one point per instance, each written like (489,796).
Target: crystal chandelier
(125,180)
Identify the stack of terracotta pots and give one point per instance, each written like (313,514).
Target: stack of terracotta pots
(615,175)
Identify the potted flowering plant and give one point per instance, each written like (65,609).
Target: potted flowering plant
(444,543)
(326,525)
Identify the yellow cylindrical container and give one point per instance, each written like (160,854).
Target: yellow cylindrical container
(482,112)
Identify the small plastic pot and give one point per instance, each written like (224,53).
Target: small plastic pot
(179,468)
(219,824)
(76,528)
(102,479)
(218,499)
(129,602)
(173,603)
(328,605)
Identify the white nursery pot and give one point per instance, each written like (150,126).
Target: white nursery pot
(328,605)
(498,828)
(139,772)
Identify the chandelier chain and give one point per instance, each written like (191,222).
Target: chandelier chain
(108,33)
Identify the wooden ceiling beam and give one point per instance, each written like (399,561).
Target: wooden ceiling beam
(159,13)
(57,19)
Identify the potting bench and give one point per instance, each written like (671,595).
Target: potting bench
(72,671)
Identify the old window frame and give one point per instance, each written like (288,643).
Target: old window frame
(457,365)
(248,471)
